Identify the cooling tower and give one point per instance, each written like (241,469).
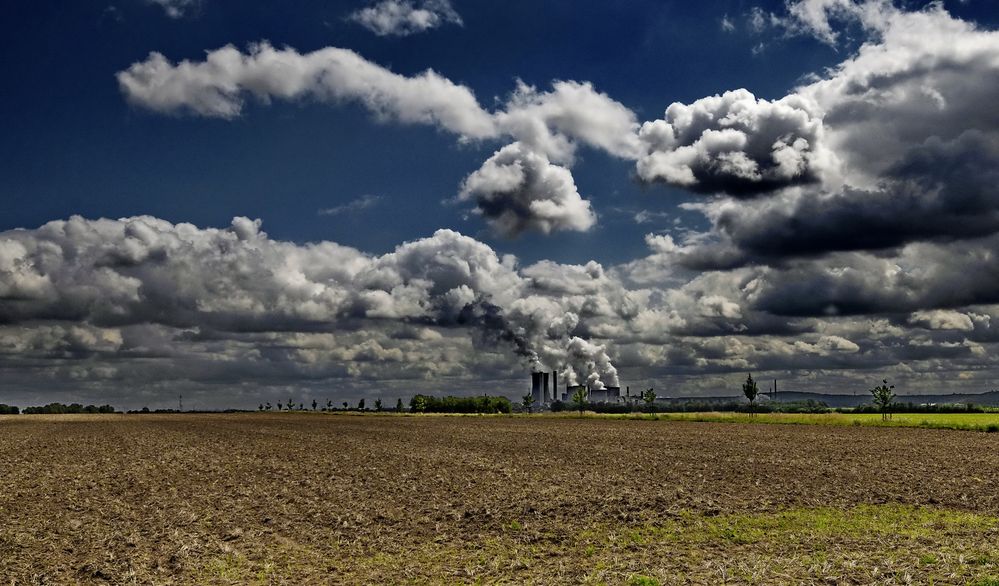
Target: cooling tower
(536,388)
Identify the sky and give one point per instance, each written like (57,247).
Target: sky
(244,201)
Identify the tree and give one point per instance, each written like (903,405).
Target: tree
(398,406)
(579,399)
(649,397)
(290,404)
(378,404)
(884,394)
(345,405)
(360,405)
(751,391)
(268,406)
(329,405)
(418,404)
(314,404)
(528,402)
(260,407)
(279,405)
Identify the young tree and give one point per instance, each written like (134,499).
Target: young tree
(649,397)
(260,407)
(579,399)
(279,405)
(268,406)
(528,402)
(884,394)
(360,405)
(290,404)
(751,391)
(399,406)
(329,405)
(345,407)
(314,404)
(378,404)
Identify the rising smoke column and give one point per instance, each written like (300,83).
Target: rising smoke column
(588,363)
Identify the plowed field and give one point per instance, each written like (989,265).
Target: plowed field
(325,499)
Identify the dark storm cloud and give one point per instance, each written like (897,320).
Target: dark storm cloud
(920,276)
(939,191)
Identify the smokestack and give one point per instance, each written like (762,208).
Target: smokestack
(555,385)
(544,383)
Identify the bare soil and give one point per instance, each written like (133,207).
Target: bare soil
(326,499)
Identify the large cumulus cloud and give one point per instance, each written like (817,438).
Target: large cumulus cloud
(912,146)
(736,144)
(520,190)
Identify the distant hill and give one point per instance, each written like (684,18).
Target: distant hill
(990,398)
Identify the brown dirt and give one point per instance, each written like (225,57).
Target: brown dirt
(302,498)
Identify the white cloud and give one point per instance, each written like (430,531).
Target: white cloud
(553,122)
(217,87)
(176,8)
(942,319)
(518,190)
(354,206)
(736,144)
(404,17)
(547,126)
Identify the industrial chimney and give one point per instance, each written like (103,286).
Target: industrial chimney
(544,384)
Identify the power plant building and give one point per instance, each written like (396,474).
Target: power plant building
(543,394)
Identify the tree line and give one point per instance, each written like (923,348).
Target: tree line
(58,409)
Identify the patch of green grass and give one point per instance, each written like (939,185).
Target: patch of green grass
(934,544)
(987,422)
(638,580)
(226,567)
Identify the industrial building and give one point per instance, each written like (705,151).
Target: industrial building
(543,394)
(540,391)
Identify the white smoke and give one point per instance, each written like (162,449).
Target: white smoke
(588,363)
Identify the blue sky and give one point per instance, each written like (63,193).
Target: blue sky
(819,205)
(72,145)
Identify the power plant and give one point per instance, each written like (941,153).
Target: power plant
(544,395)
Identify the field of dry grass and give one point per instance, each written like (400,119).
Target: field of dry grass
(325,499)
